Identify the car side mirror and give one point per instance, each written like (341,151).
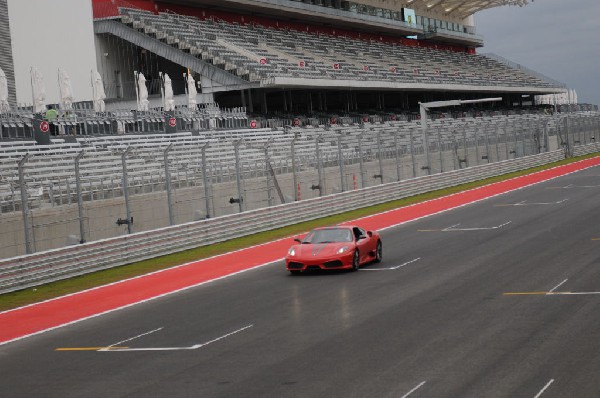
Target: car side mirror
(297,240)
(370,234)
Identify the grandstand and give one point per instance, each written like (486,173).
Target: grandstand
(272,101)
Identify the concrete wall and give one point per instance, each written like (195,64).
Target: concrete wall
(49,35)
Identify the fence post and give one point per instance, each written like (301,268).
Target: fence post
(439,134)
(238,179)
(506,139)
(168,183)
(319,165)
(294,172)
(412,153)
(205,180)
(24,203)
(267,172)
(341,160)
(476,144)
(397,156)
(360,160)
(380,158)
(126,190)
(79,198)
(487,143)
(465,148)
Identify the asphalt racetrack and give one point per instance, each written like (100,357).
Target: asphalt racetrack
(498,298)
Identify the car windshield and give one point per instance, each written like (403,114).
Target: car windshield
(328,236)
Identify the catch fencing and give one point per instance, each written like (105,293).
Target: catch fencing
(109,186)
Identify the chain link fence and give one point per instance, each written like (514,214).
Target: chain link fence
(105,187)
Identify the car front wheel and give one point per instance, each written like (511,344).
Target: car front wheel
(355,261)
(379,252)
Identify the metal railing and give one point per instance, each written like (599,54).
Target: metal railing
(35,269)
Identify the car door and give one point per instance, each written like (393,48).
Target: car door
(362,243)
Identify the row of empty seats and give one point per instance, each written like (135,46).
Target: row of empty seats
(258,53)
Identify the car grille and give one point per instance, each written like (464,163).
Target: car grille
(295,265)
(332,264)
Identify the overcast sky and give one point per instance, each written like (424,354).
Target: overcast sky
(558,38)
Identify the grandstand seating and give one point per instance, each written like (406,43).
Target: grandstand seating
(258,53)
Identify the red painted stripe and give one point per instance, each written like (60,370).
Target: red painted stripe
(63,310)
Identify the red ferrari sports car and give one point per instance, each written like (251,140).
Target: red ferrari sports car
(340,247)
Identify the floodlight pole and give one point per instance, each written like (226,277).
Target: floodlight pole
(426,106)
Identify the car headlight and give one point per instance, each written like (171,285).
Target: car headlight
(291,251)
(343,249)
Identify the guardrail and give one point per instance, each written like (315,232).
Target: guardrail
(35,269)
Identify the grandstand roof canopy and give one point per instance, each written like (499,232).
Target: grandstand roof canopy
(461,8)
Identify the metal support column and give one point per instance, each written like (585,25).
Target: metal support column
(380,157)
(361,161)
(294,171)
(341,160)
(129,220)
(24,203)
(321,188)
(205,181)
(238,174)
(168,184)
(79,198)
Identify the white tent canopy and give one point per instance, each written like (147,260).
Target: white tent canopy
(192,93)
(142,93)
(38,90)
(169,101)
(66,89)
(98,91)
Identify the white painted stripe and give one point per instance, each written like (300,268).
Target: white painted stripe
(406,263)
(391,268)
(523,203)
(557,286)
(132,338)
(539,394)
(194,347)
(575,293)
(414,389)
(451,229)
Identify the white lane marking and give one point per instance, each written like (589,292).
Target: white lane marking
(391,268)
(126,340)
(524,203)
(414,389)
(571,186)
(557,286)
(451,229)
(575,293)
(539,394)
(194,347)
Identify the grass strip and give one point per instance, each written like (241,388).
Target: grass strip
(99,278)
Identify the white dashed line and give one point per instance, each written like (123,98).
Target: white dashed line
(539,394)
(557,286)
(391,268)
(132,338)
(414,389)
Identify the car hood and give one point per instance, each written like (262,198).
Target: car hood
(320,249)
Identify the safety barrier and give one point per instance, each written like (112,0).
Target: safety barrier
(35,269)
